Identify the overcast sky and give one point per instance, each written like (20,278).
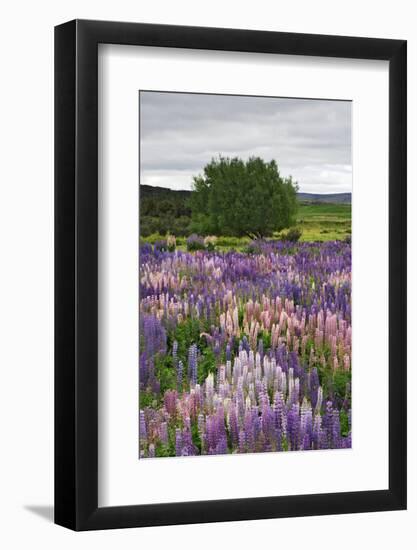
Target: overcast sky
(309,139)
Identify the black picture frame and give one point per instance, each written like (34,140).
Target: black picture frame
(76,272)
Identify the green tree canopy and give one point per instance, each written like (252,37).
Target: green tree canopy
(234,197)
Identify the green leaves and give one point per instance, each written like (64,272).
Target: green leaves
(238,198)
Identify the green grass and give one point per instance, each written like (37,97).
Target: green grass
(318,222)
(324,222)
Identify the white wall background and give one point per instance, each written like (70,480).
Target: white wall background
(26,270)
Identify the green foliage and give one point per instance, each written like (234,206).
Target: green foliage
(195,436)
(206,364)
(341,379)
(254,247)
(164,211)
(232,242)
(195,244)
(147,399)
(163,450)
(266,340)
(333,381)
(167,450)
(238,198)
(293,235)
(344,423)
(166,373)
(186,333)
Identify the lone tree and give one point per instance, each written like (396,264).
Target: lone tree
(238,198)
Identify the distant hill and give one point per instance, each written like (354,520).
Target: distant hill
(339,198)
(163,192)
(148,190)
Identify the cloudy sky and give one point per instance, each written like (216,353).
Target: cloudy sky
(310,139)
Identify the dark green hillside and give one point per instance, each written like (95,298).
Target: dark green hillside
(164,211)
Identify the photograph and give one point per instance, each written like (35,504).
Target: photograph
(245,274)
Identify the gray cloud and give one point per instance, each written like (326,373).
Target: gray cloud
(309,139)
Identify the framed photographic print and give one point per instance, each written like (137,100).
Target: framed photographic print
(230,234)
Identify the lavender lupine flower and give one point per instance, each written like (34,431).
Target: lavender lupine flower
(228,353)
(201,425)
(178,442)
(249,431)
(175,352)
(328,420)
(335,436)
(316,433)
(142,426)
(293,427)
(164,433)
(221,448)
(143,371)
(170,402)
(192,364)
(242,442)
(234,426)
(154,335)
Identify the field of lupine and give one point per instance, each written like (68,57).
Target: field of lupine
(244,352)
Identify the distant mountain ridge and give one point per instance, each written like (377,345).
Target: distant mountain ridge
(339,198)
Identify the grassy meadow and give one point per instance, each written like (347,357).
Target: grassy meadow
(324,222)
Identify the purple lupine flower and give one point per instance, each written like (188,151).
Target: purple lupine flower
(142,426)
(316,434)
(170,402)
(178,442)
(293,427)
(328,420)
(164,433)
(221,448)
(175,352)
(335,435)
(249,431)
(195,242)
(234,426)
(242,442)
(314,386)
(192,364)
(143,371)
(160,246)
(228,353)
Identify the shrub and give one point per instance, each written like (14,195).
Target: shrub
(210,243)
(255,247)
(171,243)
(293,235)
(195,242)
